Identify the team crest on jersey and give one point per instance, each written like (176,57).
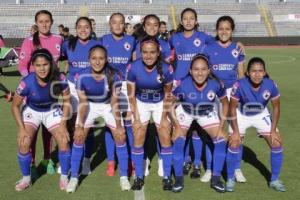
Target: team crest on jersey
(211,95)
(266,94)
(158,78)
(235,53)
(197,42)
(57,46)
(28,115)
(127,46)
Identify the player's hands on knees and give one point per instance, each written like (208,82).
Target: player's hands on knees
(165,125)
(120,131)
(275,138)
(79,135)
(64,134)
(136,125)
(234,140)
(23,137)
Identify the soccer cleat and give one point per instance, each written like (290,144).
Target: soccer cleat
(34,172)
(239,176)
(110,169)
(86,166)
(22,184)
(277,185)
(167,183)
(124,183)
(50,167)
(187,167)
(137,184)
(206,177)
(178,185)
(230,185)
(63,183)
(195,172)
(72,185)
(147,166)
(217,184)
(160,170)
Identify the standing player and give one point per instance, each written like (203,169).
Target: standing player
(41,90)
(149,84)
(119,50)
(253,94)
(76,51)
(43,38)
(97,90)
(197,93)
(227,63)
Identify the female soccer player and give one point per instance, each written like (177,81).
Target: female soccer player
(98,89)
(41,90)
(119,51)
(76,51)
(149,84)
(43,38)
(227,63)
(253,94)
(196,94)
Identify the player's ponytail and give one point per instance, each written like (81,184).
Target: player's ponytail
(180,26)
(254,60)
(35,37)
(53,75)
(73,40)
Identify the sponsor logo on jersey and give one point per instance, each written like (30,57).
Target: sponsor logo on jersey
(211,95)
(197,42)
(266,94)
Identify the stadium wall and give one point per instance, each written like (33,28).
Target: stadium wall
(15,42)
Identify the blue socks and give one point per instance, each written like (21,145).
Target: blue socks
(137,156)
(276,162)
(109,145)
(231,160)
(197,145)
(77,152)
(166,156)
(187,157)
(178,151)
(219,155)
(129,132)
(122,154)
(240,156)
(64,160)
(24,163)
(89,144)
(208,156)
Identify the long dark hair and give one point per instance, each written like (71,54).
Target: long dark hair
(205,59)
(180,26)
(254,60)
(159,62)
(108,70)
(35,37)
(54,74)
(223,19)
(141,29)
(73,40)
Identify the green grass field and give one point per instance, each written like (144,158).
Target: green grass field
(283,67)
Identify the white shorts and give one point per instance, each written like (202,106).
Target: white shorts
(74,97)
(96,110)
(51,119)
(146,110)
(206,121)
(123,99)
(261,122)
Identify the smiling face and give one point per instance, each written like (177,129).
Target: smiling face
(189,21)
(256,73)
(117,24)
(83,29)
(44,23)
(151,26)
(98,59)
(224,31)
(41,67)
(150,53)
(199,71)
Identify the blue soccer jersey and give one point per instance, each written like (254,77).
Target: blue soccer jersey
(149,87)
(39,97)
(79,58)
(96,90)
(119,51)
(253,101)
(195,101)
(224,61)
(164,49)
(186,48)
